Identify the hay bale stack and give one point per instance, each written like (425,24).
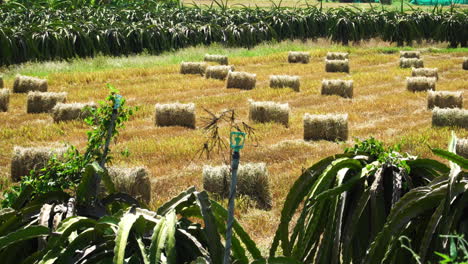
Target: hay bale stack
(44,102)
(219,72)
(298,57)
(72,111)
(450,117)
(24,84)
(462,147)
(221,59)
(193,68)
(337,66)
(444,99)
(282,81)
(264,112)
(4,100)
(133,181)
(465,64)
(337,55)
(326,127)
(411,63)
(425,72)
(241,80)
(417,84)
(175,114)
(410,54)
(342,88)
(252,181)
(26,159)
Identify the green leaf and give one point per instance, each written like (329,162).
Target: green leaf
(170,239)
(276,260)
(22,235)
(125,225)
(85,193)
(158,241)
(459,160)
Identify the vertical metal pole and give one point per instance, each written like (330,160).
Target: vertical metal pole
(232,196)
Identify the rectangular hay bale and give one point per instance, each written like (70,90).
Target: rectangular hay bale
(132,181)
(329,127)
(241,80)
(175,114)
(35,158)
(444,99)
(455,117)
(283,81)
(298,57)
(410,54)
(72,111)
(221,59)
(44,102)
(425,72)
(1,82)
(465,64)
(337,66)
(343,88)
(193,67)
(462,147)
(4,100)
(219,72)
(337,55)
(264,112)
(24,84)
(252,181)
(411,63)
(417,84)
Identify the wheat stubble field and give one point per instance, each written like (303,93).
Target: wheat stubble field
(381,107)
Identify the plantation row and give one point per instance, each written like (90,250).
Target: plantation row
(42,33)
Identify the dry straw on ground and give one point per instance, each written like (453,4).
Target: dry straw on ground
(24,84)
(450,117)
(175,114)
(219,72)
(133,181)
(298,57)
(444,99)
(411,63)
(337,55)
(283,81)
(462,147)
(465,64)
(72,111)
(221,59)
(44,102)
(264,112)
(26,159)
(241,80)
(326,127)
(343,88)
(252,181)
(4,100)
(417,84)
(410,54)
(337,66)
(193,67)
(425,72)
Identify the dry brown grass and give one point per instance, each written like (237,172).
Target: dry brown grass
(381,107)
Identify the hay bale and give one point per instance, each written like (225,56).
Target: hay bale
(282,81)
(221,59)
(298,57)
(465,64)
(425,72)
(252,181)
(133,181)
(4,100)
(193,68)
(337,55)
(241,80)
(26,159)
(326,127)
(462,147)
(410,54)
(72,111)
(450,117)
(43,102)
(264,112)
(175,114)
(24,84)
(444,99)
(411,62)
(1,82)
(343,88)
(337,66)
(417,84)
(219,72)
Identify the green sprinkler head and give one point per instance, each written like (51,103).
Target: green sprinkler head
(237,140)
